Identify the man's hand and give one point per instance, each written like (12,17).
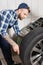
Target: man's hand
(12,43)
(16,48)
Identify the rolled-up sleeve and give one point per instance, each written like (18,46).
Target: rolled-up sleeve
(3,29)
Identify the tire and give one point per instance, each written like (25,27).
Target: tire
(29,42)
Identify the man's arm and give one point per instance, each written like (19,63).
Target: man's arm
(12,43)
(5,18)
(16,28)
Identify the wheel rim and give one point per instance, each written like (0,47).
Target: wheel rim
(36,55)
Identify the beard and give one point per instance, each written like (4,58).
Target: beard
(19,16)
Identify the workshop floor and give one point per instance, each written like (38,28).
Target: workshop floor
(15,58)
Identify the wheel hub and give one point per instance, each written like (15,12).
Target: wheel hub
(36,56)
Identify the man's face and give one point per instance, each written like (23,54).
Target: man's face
(23,14)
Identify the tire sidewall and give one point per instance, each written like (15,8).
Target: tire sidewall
(32,43)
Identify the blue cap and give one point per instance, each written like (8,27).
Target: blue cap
(23,5)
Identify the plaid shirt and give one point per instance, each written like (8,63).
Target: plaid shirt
(8,17)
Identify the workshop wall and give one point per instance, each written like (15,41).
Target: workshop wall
(41,8)
(3,4)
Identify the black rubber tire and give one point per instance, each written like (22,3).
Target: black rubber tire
(28,43)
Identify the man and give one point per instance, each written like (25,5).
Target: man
(8,18)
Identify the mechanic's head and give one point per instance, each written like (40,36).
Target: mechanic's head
(23,11)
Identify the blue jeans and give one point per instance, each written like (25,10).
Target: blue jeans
(6,49)
(0,62)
